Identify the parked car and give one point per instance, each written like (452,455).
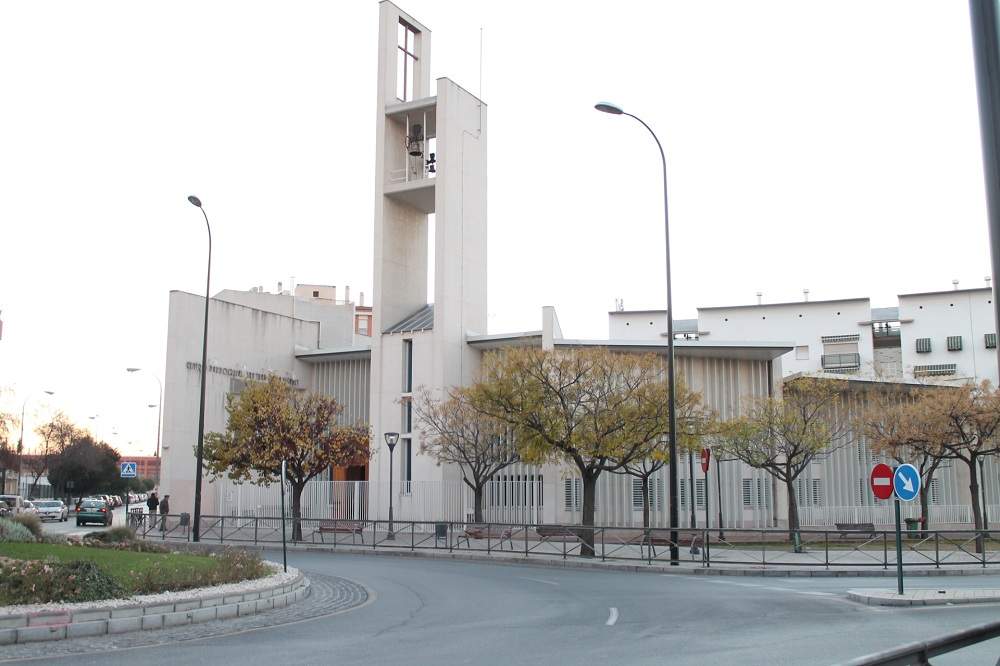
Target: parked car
(52,510)
(15,503)
(28,507)
(4,511)
(93,511)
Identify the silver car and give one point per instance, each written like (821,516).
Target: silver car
(52,510)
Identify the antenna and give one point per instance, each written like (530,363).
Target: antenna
(760,297)
(954,284)
(805,295)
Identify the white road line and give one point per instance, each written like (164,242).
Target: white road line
(612,617)
(539,580)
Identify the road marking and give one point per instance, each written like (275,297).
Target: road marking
(539,580)
(612,617)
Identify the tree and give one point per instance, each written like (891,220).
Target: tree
(693,422)
(967,420)
(895,423)
(454,432)
(90,465)
(593,408)
(271,422)
(783,435)
(55,436)
(8,455)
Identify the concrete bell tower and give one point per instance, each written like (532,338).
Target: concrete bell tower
(430,166)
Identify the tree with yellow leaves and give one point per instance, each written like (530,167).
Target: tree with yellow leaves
(592,408)
(270,422)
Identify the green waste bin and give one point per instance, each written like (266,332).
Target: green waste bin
(912,527)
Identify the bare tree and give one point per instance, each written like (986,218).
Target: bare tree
(783,435)
(454,432)
(56,435)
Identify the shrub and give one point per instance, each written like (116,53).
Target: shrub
(32,522)
(38,582)
(233,566)
(14,532)
(114,535)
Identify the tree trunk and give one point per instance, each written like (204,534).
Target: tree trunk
(977,511)
(793,515)
(645,501)
(478,509)
(925,512)
(297,489)
(589,493)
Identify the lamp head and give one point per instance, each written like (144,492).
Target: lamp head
(50,392)
(132,369)
(391,438)
(608,107)
(195,201)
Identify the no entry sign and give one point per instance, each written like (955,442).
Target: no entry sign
(881,481)
(706,455)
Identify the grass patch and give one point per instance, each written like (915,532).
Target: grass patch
(132,572)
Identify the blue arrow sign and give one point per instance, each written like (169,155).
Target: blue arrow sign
(906,482)
(128,470)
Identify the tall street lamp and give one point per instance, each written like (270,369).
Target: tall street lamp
(390,439)
(159,415)
(616,110)
(195,201)
(20,440)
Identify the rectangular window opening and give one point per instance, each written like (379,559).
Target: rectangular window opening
(406,60)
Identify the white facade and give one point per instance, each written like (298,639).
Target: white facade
(965,314)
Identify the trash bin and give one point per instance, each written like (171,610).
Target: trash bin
(185,519)
(912,527)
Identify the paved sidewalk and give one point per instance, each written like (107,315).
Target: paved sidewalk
(940,597)
(794,565)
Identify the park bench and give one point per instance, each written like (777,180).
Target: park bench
(860,528)
(478,531)
(558,533)
(355,528)
(651,538)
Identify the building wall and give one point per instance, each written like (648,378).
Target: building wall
(241,340)
(637,325)
(335,319)
(968,313)
(803,323)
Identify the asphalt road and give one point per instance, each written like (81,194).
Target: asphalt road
(452,612)
(69,527)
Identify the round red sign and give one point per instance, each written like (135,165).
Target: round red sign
(705,457)
(881,481)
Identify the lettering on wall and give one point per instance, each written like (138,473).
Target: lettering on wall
(239,373)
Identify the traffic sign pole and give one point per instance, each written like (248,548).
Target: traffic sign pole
(899,552)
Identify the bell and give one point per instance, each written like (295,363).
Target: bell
(414,142)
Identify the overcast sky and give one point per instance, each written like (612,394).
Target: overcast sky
(824,145)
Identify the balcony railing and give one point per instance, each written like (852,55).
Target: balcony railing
(841,362)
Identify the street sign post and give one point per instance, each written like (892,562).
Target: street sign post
(284,547)
(127,472)
(881,481)
(906,482)
(706,456)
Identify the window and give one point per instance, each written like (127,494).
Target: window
(699,493)
(572,494)
(935,494)
(747,492)
(802,353)
(315,293)
(407,366)
(923,345)
(363,326)
(407,416)
(407,464)
(991,340)
(938,369)
(817,492)
(406,60)
(954,343)
(655,494)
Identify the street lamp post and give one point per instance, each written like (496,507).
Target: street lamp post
(671,405)
(20,440)
(159,415)
(390,439)
(200,446)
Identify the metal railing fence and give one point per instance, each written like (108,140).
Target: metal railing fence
(921,652)
(762,548)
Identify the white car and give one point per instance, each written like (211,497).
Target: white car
(52,510)
(29,507)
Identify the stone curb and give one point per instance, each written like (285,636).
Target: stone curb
(131,617)
(924,598)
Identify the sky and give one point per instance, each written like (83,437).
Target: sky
(829,145)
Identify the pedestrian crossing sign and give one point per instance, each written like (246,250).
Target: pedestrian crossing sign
(128,470)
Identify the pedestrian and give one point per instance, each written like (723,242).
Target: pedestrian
(152,503)
(164,510)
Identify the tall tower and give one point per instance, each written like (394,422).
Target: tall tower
(430,168)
